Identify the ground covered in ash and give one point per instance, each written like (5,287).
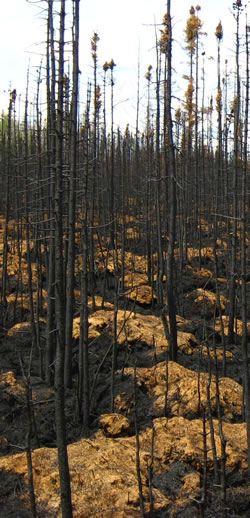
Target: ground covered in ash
(183,411)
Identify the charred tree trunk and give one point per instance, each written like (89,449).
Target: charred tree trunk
(7,211)
(172,192)
(72,201)
(51,152)
(59,289)
(236,108)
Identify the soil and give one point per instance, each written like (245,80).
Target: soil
(174,406)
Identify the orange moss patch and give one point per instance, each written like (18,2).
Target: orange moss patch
(103,470)
(114,424)
(204,302)
(21,333)
(238,326)
(133,327)
(142,295)
(186,392)
(23,300)
(134,279)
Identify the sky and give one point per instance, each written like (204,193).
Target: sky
(127,35)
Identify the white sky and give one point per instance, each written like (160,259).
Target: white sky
(126,31)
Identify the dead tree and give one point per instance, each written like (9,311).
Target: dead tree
(59,286)
(72,199)
(171,304)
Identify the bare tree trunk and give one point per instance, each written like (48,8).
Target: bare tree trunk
(51,81)
(232,284)
(112,170)
(28,222)
(149,167)
(40,227)
(172,195)
(160,261)
(72,201)
(83,368)
(7,211)
(114,345)
(59,289)
(138,463)
(245,339)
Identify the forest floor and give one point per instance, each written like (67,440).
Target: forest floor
(174,405)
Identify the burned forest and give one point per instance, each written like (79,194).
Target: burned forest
(125,283)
